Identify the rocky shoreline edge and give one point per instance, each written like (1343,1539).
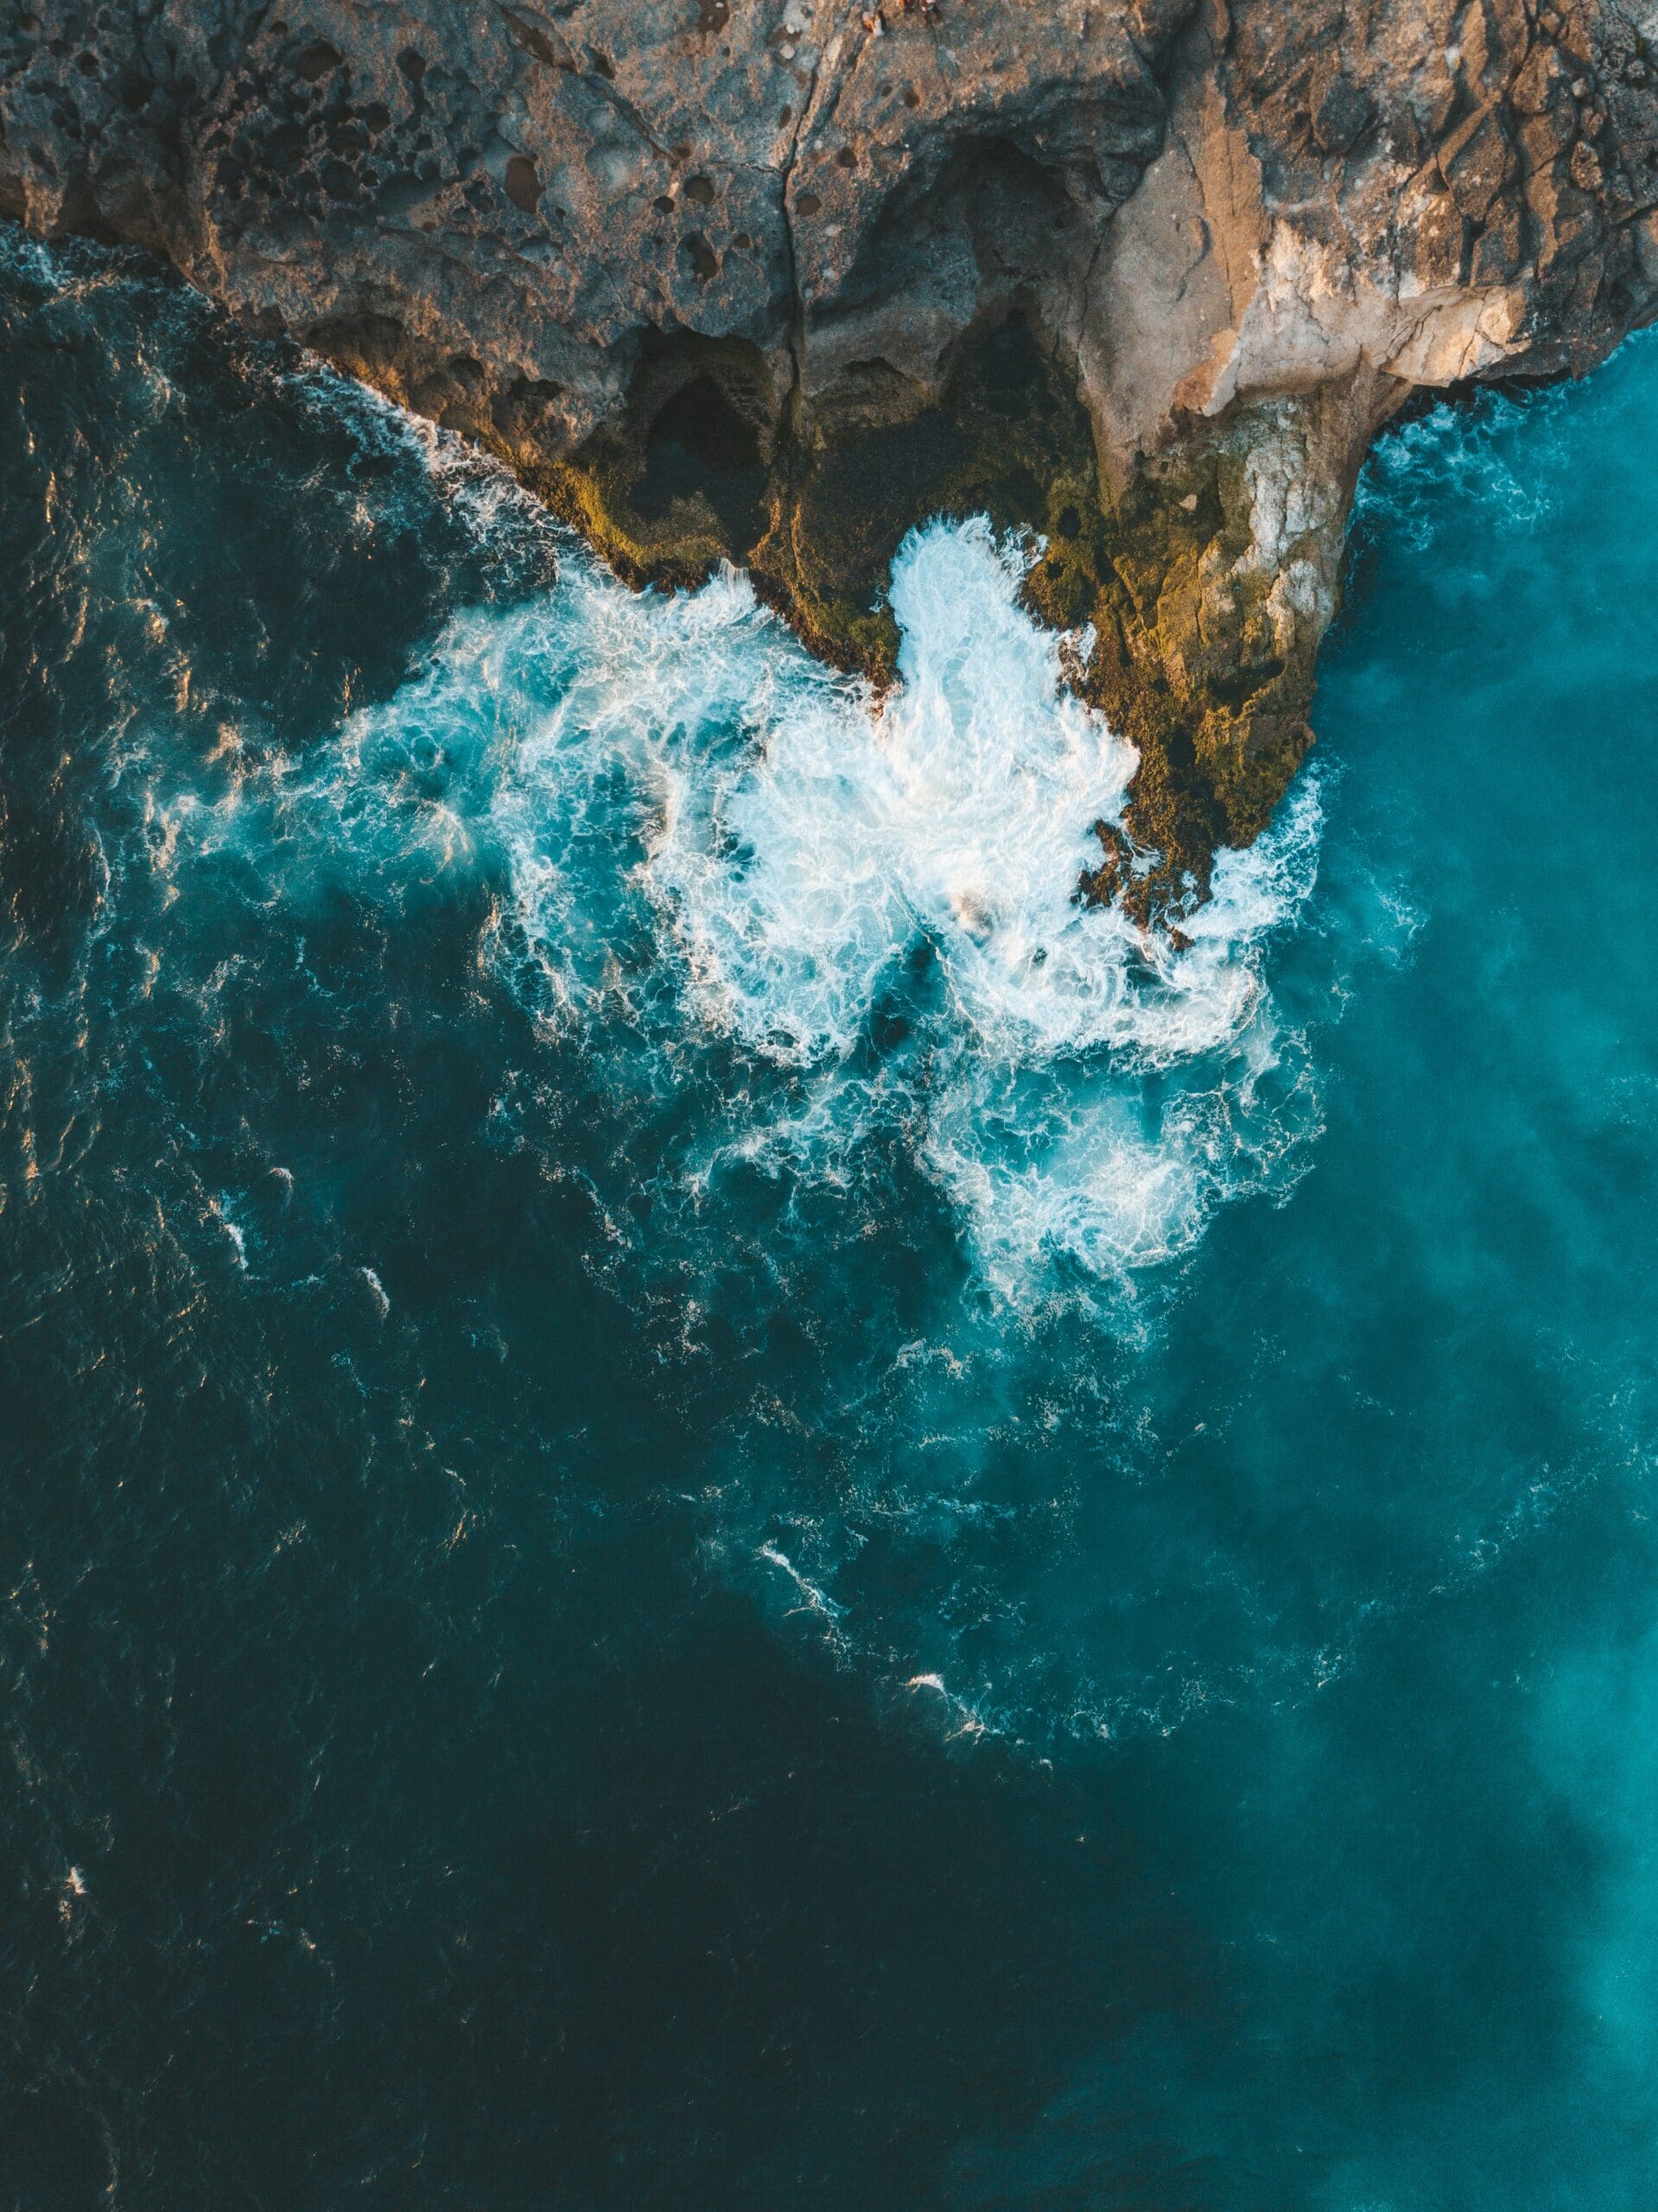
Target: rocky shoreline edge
(772,282)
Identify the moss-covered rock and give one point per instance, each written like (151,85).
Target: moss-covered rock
(708,460)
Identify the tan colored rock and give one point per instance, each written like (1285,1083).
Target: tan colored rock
(1246,233)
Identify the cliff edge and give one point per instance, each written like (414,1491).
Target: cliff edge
(772,280)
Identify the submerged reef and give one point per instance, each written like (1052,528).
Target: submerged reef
(773,281)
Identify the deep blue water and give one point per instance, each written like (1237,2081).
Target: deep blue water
(704,1504)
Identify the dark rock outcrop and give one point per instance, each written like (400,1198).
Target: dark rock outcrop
(773,279)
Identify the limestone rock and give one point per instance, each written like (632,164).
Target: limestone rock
(775,278)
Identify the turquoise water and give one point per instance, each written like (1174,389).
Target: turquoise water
(706,1502)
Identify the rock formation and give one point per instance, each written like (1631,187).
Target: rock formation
(775,279)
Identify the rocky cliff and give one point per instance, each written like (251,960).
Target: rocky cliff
(774,279)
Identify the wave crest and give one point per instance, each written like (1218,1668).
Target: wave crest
(877,903)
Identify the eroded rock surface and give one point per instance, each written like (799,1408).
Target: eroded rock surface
(775,279)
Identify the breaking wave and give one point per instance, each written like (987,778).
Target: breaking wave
(871,905)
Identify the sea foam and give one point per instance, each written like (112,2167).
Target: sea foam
(869,907)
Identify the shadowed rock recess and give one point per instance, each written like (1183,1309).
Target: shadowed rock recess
(772,281)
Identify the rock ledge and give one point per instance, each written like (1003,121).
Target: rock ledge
(772,280)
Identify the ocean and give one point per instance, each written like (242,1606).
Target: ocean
(705,1501)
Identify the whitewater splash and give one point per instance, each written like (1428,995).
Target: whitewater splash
(789,917)
(873,905)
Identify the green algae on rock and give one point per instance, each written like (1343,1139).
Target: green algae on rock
(706,465)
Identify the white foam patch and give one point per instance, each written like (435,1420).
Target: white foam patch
(805,868)
(873,905)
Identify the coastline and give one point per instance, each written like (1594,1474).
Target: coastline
(1140,283)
